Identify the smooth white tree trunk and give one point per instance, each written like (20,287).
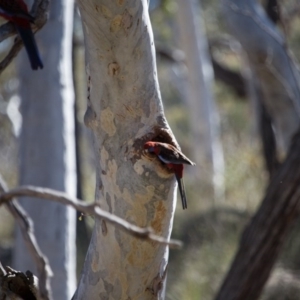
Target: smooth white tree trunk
(124,111)
(204,117)
(47,156)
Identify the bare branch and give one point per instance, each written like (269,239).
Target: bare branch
(6,30)
(88,209)
(40,10)
(27,229)
(13,52)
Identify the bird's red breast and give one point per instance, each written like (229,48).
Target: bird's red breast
(177,169)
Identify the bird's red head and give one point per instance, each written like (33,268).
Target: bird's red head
(151,147)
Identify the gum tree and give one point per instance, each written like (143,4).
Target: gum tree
(124,110)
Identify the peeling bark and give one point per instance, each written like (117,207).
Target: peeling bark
(124,111)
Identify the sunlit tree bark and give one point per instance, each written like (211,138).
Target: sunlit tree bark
(124,111)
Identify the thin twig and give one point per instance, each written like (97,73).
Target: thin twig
(6,30)
(88,209)
(13,52)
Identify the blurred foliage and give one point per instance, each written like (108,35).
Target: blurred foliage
(210,230)
(210,240)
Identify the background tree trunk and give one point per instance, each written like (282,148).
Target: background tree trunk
(270,61)
(124,111)
(263,237)
(47,148)
(204,118)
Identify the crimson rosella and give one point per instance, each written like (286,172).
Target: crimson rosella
(16,12)
(174,160)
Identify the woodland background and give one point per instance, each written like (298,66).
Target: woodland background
(211,226)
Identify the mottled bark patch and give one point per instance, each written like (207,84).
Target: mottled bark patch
(157,283)
(115,24)
(104,156)
(113,69)
(161,169)
(159,217)
(126,20)
(104,10)
(95,262)
(138,167)
(90,118)
(107,121)
(140,255)
(103,227)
